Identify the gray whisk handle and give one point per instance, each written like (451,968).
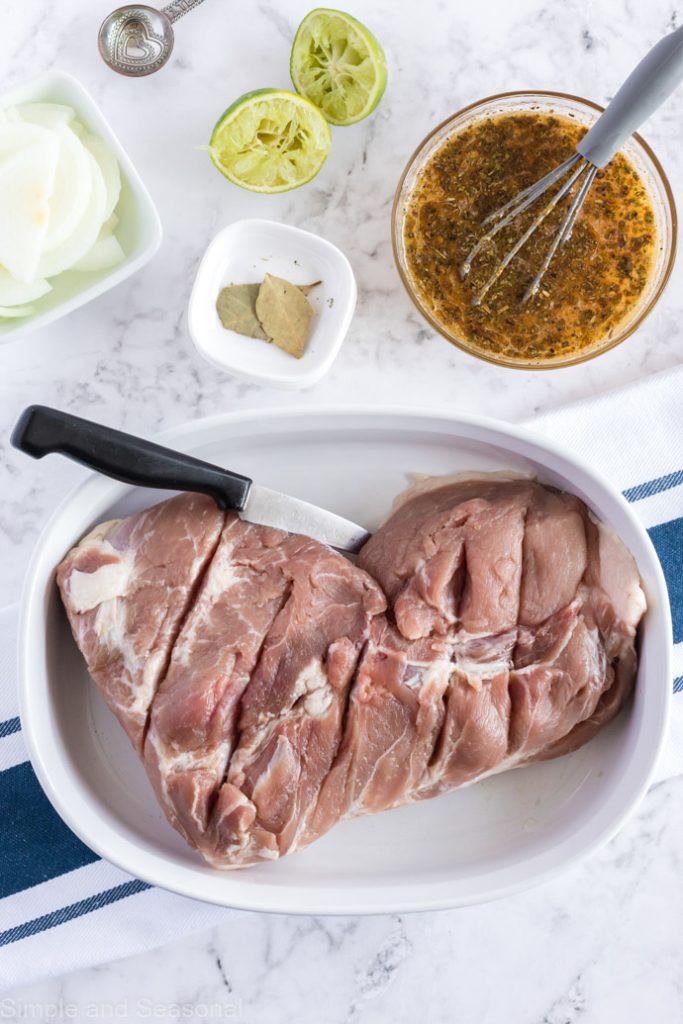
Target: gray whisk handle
(645,89)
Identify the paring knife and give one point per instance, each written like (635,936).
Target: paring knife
(40,431)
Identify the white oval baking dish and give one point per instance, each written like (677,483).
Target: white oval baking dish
(506,833)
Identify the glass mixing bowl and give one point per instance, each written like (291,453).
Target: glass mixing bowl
(636,150)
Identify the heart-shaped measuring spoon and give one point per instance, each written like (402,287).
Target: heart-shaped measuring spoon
(137,40)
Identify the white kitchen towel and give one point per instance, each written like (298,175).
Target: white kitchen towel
(634,438)
(62,907)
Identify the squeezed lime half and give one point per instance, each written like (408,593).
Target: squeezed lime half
(270,140)
(338,64)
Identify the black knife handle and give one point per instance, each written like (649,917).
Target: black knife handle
(41,430)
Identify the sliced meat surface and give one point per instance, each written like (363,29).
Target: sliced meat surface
(274,688)
(126,588)
(395,715)
(554,555)
(453,556)
(248,719)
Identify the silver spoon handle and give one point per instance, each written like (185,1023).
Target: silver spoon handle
(645,89)
(176,9)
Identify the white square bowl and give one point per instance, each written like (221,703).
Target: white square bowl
(243,253)
(139,230)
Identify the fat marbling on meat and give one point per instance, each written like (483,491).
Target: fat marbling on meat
(273,688)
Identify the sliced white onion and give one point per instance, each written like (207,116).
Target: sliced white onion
(72,191)
(16,293)
(8,114)
(14,312)
(73,180)
(109,166)
(84,235)
(110,225)
(16,135)
(59,187)
(47,115)
(26,181)
(105,254)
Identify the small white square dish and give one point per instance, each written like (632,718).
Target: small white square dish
(243,253)
(139,228)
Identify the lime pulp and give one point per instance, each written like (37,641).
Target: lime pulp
(270,140)
(338,65)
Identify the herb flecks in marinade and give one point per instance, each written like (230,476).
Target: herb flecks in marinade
(593,281)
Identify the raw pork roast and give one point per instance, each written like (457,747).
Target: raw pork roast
(272,687)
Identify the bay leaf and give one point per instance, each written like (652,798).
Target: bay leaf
(306,288)
(236,307)
(285,313)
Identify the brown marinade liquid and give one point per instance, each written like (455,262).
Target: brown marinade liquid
(593,281)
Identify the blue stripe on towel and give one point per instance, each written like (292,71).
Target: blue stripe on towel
(9,726)
(36,845)
(660,483)
(668,541)
(678,684)
(64,914)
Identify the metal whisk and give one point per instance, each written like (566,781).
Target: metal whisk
(646,88)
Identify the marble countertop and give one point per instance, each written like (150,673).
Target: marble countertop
(601,943)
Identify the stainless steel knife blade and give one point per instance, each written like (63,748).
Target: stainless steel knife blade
(41,430)
(270,508)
